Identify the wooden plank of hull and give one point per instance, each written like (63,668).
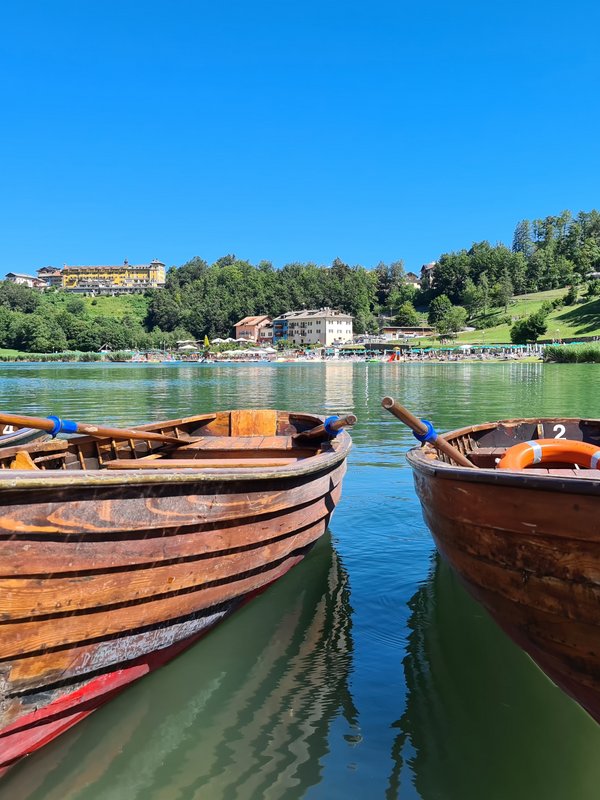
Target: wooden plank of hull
(512,508)
(106,652)
(574,600)
(27,556)
(547,596)
(126,508)
(575,561)
(28,598)
(196,592)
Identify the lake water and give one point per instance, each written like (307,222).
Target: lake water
(366,672)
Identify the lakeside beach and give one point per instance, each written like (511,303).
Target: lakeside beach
(399,645)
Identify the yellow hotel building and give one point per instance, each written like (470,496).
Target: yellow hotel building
(125,278)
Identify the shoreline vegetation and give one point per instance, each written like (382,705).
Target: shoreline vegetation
(572,354)
(423,355)
(545,288)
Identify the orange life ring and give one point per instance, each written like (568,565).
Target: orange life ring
(556,451)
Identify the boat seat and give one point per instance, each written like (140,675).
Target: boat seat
(198,463)
(238,443)
(486,457)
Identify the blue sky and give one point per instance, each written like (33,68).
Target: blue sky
(290,131)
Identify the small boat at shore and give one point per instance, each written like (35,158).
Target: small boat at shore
(11,436)
(514,507)
(117,552)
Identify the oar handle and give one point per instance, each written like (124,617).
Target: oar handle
(419,427)
(54,425)
(331,427)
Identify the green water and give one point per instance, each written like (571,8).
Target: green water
(366,672)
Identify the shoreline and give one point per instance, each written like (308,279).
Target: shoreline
(281,362)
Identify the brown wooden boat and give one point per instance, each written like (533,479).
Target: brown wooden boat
(11,436)
(526,543)
(116,554)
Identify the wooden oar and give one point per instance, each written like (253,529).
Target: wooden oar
(50,425)
(332,427)
(416,425)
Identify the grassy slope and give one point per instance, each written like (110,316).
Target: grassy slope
(582,319)
(135,305)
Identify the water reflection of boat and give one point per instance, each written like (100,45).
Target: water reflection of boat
(247,713)
(480,720)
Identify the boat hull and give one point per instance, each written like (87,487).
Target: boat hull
(527,550)
(102,583)
(20,436)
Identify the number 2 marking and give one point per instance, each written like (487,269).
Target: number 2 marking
(561,431)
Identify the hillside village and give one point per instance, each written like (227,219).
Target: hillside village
(545,287)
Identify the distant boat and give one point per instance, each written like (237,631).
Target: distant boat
(118,553)
(526,541)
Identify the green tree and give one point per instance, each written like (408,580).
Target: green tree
(522,239)
(502,292)
(472,298)
(407,315)
(438,309)
(529,329)
(36,334)
(164,311)
(76,305)
(451,274)
(18,297)
(453,320)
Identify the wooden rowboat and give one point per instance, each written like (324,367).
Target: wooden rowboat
(10,436)
(116,554)
(526,543)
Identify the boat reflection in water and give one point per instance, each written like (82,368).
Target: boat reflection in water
(245,713)
(481,721)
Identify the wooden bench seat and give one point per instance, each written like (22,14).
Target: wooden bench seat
(198,463)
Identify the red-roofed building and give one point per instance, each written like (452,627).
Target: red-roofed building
(255,329)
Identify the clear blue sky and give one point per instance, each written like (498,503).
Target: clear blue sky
(290,131)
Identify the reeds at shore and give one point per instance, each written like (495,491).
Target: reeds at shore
(573,353)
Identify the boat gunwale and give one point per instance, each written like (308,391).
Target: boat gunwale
(511,478)
(23,479)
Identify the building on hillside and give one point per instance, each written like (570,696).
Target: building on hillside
(51,275)
(413,280)
(125,278)
(26,280)
(393,332)
(255,329)
(427,274)
(324,326)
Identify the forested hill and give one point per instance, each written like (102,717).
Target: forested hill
(211,299)
(546,254)
(201,299)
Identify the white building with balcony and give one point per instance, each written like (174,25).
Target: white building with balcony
(324,326)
